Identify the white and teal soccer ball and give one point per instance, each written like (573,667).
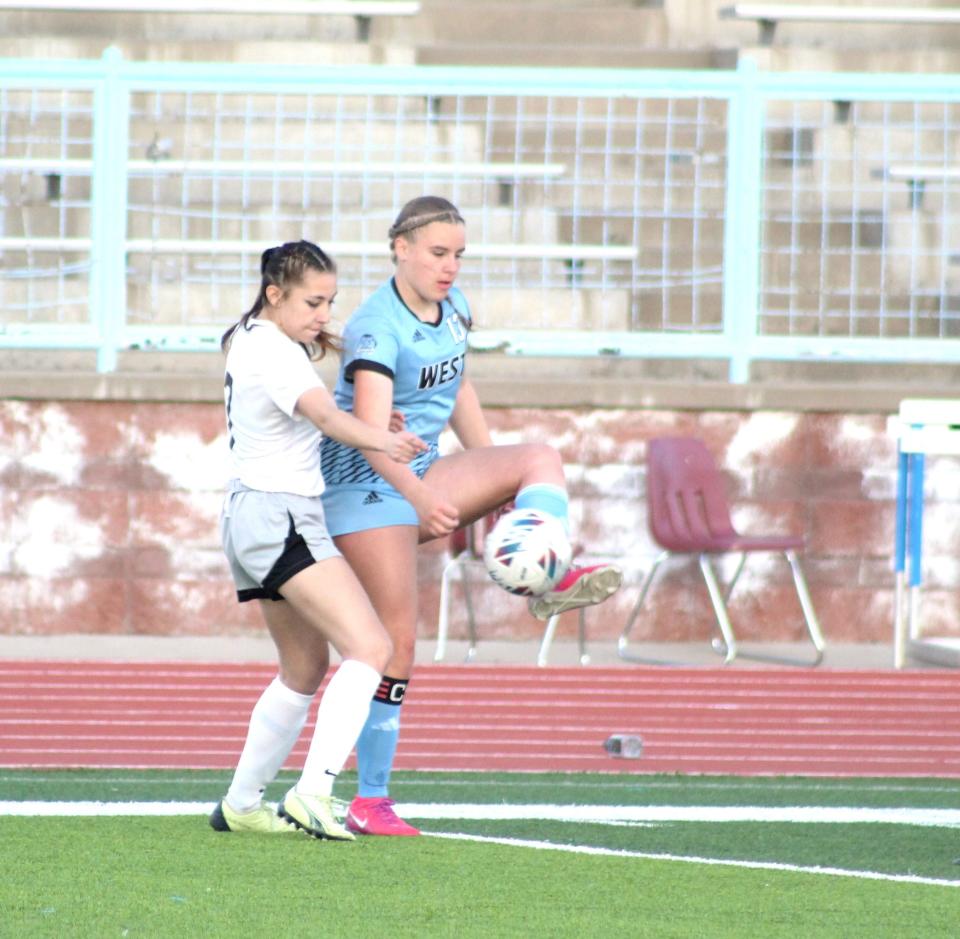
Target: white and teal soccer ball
(527,552)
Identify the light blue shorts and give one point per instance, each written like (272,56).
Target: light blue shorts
(376,504)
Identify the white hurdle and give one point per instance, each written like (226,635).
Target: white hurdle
(924,425)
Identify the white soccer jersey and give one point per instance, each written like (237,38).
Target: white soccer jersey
(273,447)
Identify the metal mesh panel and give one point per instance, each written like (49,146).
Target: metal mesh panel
(610,211)
(639,182)
(45,205)
(860,220)
(134,205)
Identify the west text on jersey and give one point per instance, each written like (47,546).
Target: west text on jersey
(439,373)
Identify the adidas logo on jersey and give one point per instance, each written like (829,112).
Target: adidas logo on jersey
(372,499)
(418,336)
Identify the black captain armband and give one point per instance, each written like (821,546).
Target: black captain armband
(391,690)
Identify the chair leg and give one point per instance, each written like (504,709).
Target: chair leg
(545,643)
(624,640)
(806,604)
(550,631)
(728,645)
(453,566)
(582,636)
(736,577)
(443,622)
(471,618)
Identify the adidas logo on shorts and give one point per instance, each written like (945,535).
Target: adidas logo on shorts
(371,499)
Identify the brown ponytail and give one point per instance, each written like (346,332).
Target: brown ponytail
(284,266)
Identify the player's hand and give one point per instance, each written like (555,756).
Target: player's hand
(437,516)
(397,422)
(404,446)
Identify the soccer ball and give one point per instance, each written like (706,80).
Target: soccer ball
(527,552)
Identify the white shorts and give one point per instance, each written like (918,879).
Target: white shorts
(270,536)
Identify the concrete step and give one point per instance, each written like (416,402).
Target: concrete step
(863,38)
(494,308)
(281,51)
(606,21)
(569,55)
(177,27)
(905,55)
(536,308)
(367,223)
(540,23)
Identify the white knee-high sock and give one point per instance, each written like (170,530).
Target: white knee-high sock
(340,718)
(275,724)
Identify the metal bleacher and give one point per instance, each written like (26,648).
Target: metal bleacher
(737,215)
(768,15)
(361,11)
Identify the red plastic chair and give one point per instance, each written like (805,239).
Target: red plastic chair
(688,513)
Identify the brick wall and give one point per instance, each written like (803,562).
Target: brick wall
(108,521)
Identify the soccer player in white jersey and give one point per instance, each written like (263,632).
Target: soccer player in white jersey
(280,552)
(405,350)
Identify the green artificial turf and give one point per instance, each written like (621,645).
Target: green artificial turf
(152,876)
(159,877)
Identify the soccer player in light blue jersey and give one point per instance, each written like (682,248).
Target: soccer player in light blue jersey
(404,351)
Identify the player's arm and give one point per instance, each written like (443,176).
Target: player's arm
(467,419)
(318,406)
(373,404)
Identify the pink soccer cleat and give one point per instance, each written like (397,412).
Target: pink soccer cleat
(580,586)
(374,815)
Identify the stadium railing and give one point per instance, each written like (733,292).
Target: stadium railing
(362,11)
(715,215)
(768,15)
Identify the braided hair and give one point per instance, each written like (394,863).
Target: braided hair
(284,267)
(420,212)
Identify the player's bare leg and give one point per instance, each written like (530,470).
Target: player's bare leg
(479,481)
(385,561)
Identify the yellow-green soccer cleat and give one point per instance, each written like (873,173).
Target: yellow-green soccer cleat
(314,814)
(262,819)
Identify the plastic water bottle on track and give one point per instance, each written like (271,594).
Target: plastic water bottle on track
(624,746)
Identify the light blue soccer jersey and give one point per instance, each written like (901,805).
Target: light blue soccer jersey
(425,361)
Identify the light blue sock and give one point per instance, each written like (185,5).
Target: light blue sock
(547,498)
(376,747)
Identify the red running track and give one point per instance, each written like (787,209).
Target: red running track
(469,717)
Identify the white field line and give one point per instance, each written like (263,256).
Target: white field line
(830,815)
(688,859)
(583,813)
(935,818)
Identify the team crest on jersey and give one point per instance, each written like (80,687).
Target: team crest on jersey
(367,343)
(456,327)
